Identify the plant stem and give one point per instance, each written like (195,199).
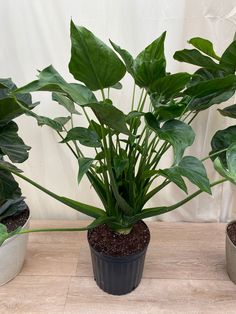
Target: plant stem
(51,230)
(215,154)
(133,97)
(103,95)
(150,212)
(68,145)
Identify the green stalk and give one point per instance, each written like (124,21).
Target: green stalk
(81,207)
(215,154)
(150,212)
(133,97)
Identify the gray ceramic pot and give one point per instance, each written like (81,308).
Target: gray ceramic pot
(230,256)
(12,256)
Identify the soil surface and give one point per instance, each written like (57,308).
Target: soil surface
(104,240)
(13,222)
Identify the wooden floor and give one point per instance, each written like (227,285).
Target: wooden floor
(184,273)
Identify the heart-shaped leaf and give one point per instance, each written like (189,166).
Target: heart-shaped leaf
(92,61)
(179,134)
(85,136)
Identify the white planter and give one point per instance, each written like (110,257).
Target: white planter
(12,256)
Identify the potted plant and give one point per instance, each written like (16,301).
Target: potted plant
(14,213)
(124,168)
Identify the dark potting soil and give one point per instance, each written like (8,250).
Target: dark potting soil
(231,231)
(104,240)
(13,222)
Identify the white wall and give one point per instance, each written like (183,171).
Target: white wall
(35,34)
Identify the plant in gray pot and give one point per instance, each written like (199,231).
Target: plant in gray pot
(14,213)
(123,165)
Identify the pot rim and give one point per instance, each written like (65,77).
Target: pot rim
(17,235)
(121,258)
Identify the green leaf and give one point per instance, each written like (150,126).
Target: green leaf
(12,207)
(228,59)
(92,61)
(111,116)
(169,86)
(8,185)
(50,80)
(85,136)
(9,108)
(179,134)
(150,64)
(11,144)
(126,56)
(3,234)
(167,111)
(84,165)
(212,86)
(173,175)
(229,111)
(228,170)
(62,120)
(195,57)
(231,160)
(205,46)
(120,164)
(42,120)
(191,168)
(146,72)
(118,85)
(222,139)
(65,102)
(202,103)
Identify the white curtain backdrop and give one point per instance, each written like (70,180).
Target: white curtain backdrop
(35,34)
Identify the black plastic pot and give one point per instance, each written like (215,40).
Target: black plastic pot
(117,275)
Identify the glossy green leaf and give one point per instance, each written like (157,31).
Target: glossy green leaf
(173,174)
(205,46)
(168,111)
(222,139)
(85,136)
(84,165)
(66,102)
(218,85)
(228,170)
(42,120)
(8,186)
(118,85)
(13,207)
(126,56)
(92,61)
(191,168)
(179,134)
(195,57)
(169,86)
(150,64)
(229,111)
(11,144)
(62,120)
(111,116)
(202,103)
(228,59)
(50,80)
(9,107)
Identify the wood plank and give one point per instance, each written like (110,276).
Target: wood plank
(153,296)
(35,294)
